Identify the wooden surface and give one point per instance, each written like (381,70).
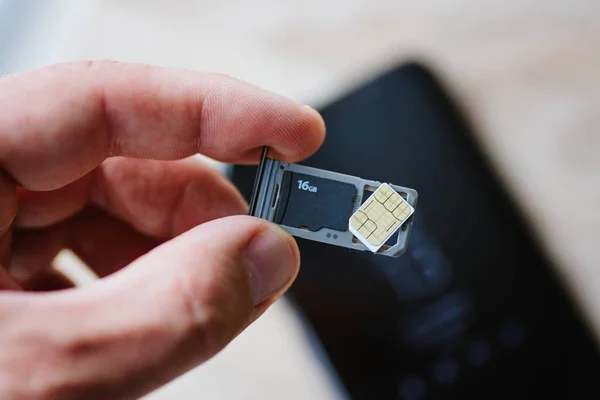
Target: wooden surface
(527,72)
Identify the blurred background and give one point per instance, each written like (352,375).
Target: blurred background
(526,73)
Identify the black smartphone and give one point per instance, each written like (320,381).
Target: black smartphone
(473,309)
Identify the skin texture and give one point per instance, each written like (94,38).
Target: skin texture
(98,157)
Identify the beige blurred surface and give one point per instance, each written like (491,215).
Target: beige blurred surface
(528,72)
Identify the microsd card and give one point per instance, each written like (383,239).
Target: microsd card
(312,203)
(333,208)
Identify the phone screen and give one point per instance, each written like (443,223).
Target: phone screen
(473,309)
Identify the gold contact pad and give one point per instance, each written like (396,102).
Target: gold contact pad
(380,216)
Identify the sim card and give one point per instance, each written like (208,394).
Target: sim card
(380,217)
(334,208)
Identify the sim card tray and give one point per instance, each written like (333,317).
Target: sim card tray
(319,205)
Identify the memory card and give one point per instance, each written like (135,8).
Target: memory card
(328,207)
(313,203)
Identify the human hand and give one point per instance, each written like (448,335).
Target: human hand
(95,157)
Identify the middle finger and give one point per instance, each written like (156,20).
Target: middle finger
(158,198)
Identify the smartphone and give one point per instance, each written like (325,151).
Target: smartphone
(473,309)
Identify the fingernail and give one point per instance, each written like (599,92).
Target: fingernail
(311,109)
(270,263)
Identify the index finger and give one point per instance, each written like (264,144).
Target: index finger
(60,122)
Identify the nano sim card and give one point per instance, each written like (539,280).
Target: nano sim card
(379,217)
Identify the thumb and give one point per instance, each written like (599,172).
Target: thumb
(164,314)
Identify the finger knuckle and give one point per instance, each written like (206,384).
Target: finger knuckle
(211,307)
